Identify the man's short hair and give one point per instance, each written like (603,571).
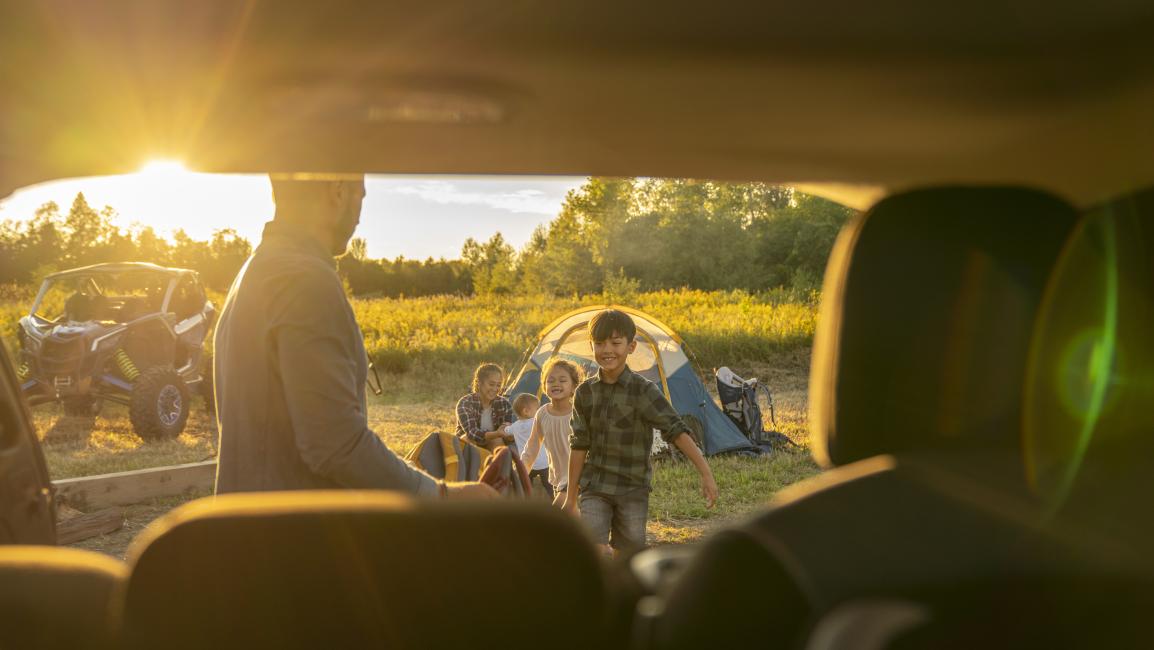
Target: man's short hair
(605,324)
(522,400)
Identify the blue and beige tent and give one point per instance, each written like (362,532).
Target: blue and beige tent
(660,357)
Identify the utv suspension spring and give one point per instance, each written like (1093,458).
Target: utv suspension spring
(127,367)
(23,371)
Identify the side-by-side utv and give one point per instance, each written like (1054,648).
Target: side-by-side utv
(131,333)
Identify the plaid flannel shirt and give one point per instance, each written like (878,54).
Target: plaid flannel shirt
(469,416)
(615,423)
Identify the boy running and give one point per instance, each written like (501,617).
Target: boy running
(614,414)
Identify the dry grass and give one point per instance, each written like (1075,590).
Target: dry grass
(80,446)
(76,447)
(677,512)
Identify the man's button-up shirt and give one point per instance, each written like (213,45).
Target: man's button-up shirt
(290,370)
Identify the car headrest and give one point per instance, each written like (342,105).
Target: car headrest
(926,318)
(357,569)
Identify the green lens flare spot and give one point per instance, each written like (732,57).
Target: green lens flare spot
(1087,369)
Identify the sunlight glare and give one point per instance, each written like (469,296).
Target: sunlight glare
(163,168)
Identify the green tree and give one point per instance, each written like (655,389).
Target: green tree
(227,252)
(87,231)
(358,249)
(492,265)
(151,247)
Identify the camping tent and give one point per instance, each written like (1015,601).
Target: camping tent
(660,357)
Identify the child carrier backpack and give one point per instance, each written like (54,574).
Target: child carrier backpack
(739,402)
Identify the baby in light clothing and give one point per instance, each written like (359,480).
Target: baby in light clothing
(525,406)
(551,426)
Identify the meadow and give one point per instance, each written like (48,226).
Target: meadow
(426,349)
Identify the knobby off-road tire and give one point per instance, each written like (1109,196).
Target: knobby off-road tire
(159,404)
(82,406)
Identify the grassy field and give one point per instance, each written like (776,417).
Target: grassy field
(428,347)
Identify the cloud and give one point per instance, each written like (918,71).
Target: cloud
(524,201)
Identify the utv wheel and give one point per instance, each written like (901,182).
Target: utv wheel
(158,407)
(84,407)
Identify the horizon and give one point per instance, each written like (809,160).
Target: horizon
(415,217)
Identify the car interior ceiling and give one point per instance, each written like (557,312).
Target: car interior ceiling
(988,450)
(1054,96)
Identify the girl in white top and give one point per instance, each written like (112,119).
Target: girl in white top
(552,423)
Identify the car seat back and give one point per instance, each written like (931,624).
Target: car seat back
(360,569)
(57,598)
(916,394)
(1058,611)
(926,319)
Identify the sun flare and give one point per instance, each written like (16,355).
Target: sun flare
(163,168)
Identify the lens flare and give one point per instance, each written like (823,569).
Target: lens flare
(1086,371)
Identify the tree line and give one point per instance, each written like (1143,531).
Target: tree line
(662,233)
(54,241)
(610,234)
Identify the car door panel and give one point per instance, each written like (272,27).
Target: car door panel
(27,515)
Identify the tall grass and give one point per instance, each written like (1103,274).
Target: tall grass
(436,340)
(427,334)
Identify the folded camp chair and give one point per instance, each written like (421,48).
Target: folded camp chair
(445,456)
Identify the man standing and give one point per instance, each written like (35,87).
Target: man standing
(290,363)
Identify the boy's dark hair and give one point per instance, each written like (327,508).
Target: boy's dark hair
(521,400)
(484,370)
(605,324)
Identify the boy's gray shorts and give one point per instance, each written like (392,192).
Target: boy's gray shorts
(616,520)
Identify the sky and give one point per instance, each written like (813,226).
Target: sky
(414,216)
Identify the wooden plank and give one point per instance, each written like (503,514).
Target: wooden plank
(81,527)
(127,488)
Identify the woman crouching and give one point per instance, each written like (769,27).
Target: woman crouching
(483,414)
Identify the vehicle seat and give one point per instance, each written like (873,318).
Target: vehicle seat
(1108,611)
(53,597)
(81,307)
(916,397)
(361,569)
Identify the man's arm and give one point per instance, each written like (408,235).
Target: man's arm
(314,356)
